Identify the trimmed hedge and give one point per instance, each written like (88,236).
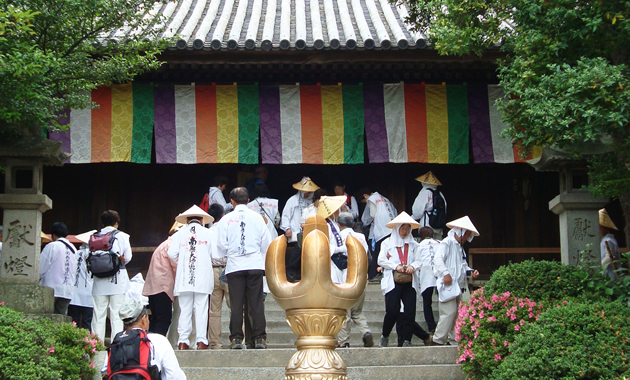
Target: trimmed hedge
(536,280)
(577,341)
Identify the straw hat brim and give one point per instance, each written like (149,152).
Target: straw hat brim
(175,227)
(195,212)
(465,223)
(403,218)
(85,237)
(605,221)
(429,178)
(328,205)
(45,238)
(305,185)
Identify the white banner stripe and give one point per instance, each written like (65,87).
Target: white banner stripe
(81,136)
(395,123)
(501,147)
(185,124)
(291,124)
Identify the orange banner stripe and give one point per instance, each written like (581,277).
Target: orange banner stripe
(206,112)
(312,125)
(416,120)
(102,125)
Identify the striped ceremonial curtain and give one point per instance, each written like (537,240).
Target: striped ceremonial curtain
(311,124)
(292,124)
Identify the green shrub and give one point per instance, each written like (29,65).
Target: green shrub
(577,341)
(598,286)
(486,328)
(42,350)
(537,280)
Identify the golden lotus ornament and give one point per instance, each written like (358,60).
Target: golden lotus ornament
(315,307)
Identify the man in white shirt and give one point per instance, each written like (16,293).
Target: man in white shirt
(81,305)
(423,205)
(345,221)
(266,207)
(134,316)
(244,238)
(57,266)
(192,247)
(378,212)
(351,204)
(291,223)
(609,247)
(451,270)
(215,193)
(109,292)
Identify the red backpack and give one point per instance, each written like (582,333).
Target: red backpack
(205,203)
(129,357)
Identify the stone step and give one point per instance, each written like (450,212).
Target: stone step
(369,305)
(353,357)
(370,315)
(287,339)
(410,372)
(280,326)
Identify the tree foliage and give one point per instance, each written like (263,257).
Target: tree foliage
(53,52)
(565,71)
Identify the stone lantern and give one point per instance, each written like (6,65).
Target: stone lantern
(23,204)
(576,207)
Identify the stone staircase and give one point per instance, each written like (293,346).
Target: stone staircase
(416,362)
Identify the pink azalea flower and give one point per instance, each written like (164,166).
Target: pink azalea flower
(74,324)
(564,302)
(51,349)
(505,343)
(497,357)
(517,328)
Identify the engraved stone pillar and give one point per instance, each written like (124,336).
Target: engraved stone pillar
(575,206)
(23,205)
(316,308)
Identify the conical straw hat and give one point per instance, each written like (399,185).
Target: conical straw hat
(429,178)
(45,238)
(403,218)
(465,223)
(85,237)
(175,227)
(604,220)
(328,205)
(306,184)
(194,211)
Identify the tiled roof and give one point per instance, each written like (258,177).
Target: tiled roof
(286,24)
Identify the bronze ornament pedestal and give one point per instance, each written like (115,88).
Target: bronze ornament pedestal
(316,308)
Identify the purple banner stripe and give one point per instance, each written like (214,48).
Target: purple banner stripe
(479,118)
(63,136)
(270,130)
(165,135)
(375,129)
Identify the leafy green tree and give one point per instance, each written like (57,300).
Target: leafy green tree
(53,52)
(565,73)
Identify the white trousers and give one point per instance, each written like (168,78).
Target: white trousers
(189,302)
(355,314)
(448,316)
(101,304)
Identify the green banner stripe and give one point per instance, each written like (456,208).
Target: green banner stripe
(353,124)
(248,124)
(458,126)
(142,135)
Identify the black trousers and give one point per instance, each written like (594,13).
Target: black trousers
(416,330)
(373,264)
(407,294)
(427,308)
(293,261)
(247,286)
(161,313)
(81,315)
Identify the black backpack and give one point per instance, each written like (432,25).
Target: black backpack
(101,261)
(129,357)
(437,216)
